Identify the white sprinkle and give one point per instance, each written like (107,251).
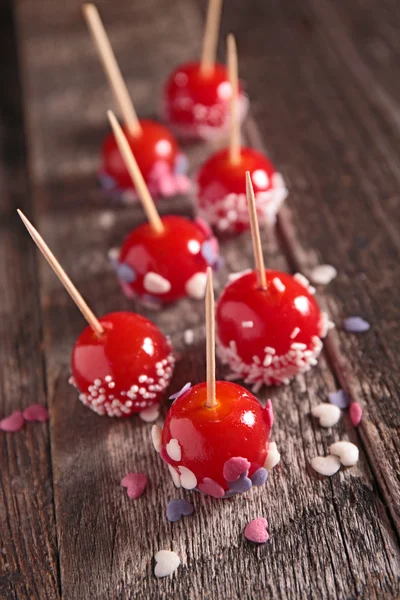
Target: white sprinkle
(346,451)
(166,563)
(150,414)
(174,450)
(278,284)
(269,350)
(155,284)
(97,382)
(142,378)
(108,378)
(196,286)
(325,465)
(298,346)
(257,360)
(295,332)
(188,478)
(311,289)
(156,437)
(267,360)
(188,337)
(106,219)
(111,385)
(175,476)
(273,457)
(328,414)
(303,281)
(247,324)
(323,274)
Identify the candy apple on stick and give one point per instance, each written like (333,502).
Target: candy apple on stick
(121,363)
(166,258)
(269,326)
(221,191)
(160,159)
(215,436)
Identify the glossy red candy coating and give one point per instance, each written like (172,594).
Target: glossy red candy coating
(131,352)
(197,104)
(181,252)
(221,196)
(237,427)
(282,321)
(155,143)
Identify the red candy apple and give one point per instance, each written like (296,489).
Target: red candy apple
(161,267)
(160,160)
(219,451)
(269,335)
(221,190)
(125,369)
(196,102)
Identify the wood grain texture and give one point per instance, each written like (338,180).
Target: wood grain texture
(329,538)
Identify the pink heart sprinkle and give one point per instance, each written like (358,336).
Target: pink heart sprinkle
(355,412)
(269,413)
(135,484)
(256,531)
(235,467)
(212,488)
(36,412)
(13,423)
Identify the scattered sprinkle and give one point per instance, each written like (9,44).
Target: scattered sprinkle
(323,274)
(256,531)
(150,414)
(328,414)
(188,478)
(339,399)
(273,457)
(277,283)
(241,485)
(188,337)
(259,477)
(174,450)
(326,465)
(247,324)
(135,484)
(106,219)
(355,325)
(13,422)
(295,332)
(346,452)
(155,284)
(185,388)
(269,413)
(177,509)
(235,467)
(175,476)
(166,563)
(156,437)
(196,286)
(212,488)
(36,412)
(356,413)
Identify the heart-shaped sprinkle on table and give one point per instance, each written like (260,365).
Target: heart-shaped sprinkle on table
(355,325)
(273,457)
(156,437)
(235,467)
(135,484)
(323,274)
(242,485)
(355,413)
(211,487)
(166,563)
(346,451)
(259,477)
(36,412)
(328,414)
(256,531)
(178,508)
(326,465)
(150,414)
(13,422)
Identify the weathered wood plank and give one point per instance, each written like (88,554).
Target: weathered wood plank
(329,539)
(28,555)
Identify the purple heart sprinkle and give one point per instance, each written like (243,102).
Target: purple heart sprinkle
(185,388)
(259,477)
(339,399)
(243,484)
(355,325)
(126,273)
(178,508)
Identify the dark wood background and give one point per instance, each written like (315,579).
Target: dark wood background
(323,77)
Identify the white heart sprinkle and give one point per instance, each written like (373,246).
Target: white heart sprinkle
(328,414)
(174,450)
(323,274)
(156,437)
(166,563)
(150,414)
(175,476)
(188,478)
(326,465)
(346,451)
(273,457)
(188,337)
(155,284)
(196,286)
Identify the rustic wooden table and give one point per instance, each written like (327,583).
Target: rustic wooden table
(323,78)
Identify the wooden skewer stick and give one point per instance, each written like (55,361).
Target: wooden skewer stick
(63,277)
(111,68)
(234,140)
(210,38)
(210,341)
(136,175)
(255,233)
